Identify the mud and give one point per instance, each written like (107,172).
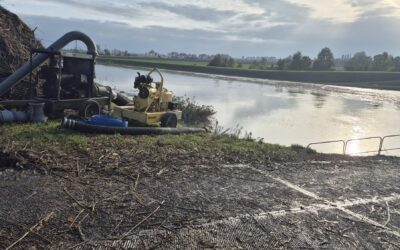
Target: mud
(312,203)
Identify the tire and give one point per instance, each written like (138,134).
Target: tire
(89,109)
(169,120)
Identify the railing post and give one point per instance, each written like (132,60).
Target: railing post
(381,145)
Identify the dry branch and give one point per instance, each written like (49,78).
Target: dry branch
(129,233)
(36,227)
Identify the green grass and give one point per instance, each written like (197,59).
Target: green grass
(155,60)
(49,136)
(161,61)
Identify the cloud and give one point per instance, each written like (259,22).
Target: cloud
(333,10)
(237,27)
(191,11)
(282,10)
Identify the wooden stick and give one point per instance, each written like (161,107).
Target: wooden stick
(36,226)
(78,202)
(76,217)
(388,214)
(24,227)
(144,219)
(137,181)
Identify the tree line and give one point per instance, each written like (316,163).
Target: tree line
(325,61)
(381,62)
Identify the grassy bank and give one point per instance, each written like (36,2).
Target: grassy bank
(376,80)
(38,145)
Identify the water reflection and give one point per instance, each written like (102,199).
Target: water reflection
(278,89)
(354,106)
(282,113)
(262,105)
(376,105)
(295,91)
(353,148)
(319,99)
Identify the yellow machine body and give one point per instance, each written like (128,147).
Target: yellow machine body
(150,105)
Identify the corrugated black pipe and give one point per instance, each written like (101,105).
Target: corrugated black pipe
(88,128)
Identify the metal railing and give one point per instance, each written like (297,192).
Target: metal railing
(345,144)
(328,142)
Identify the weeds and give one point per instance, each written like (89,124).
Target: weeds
(194,114)
(237,132)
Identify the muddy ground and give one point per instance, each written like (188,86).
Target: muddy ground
(315,202)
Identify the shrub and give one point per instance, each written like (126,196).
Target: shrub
(194,114)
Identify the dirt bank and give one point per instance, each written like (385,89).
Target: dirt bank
(207,191)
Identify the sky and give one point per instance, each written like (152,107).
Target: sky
(236,27)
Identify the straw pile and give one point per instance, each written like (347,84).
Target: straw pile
(16,40)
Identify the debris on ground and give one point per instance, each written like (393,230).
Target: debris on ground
(192,191)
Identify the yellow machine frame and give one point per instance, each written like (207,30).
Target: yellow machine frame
(146,116)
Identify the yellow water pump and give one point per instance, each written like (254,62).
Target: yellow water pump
(153,104)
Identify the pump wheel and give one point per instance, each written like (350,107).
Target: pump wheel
(89,109)
(169,120)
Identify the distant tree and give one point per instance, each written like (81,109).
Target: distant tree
(152,53)
(253,65)
(382,62)
(220,60)
(359,62)
(325,60)
(306,63)
(263,61)
(300,62)
(231,62)
(107,52)
(295,63)
(173,54)
(240,65)
(396,64)
(283,64)
(261,64)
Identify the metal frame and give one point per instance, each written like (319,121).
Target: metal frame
(383,141)
(57,104)
(327,142)
(53,106)
(364,139)
(346,142)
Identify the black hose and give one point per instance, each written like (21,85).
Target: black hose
(88,128)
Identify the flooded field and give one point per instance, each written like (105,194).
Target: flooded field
(285,113)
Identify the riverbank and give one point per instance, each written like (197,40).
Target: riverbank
(60,189)
(374,80)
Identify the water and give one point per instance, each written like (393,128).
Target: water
(282,112)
